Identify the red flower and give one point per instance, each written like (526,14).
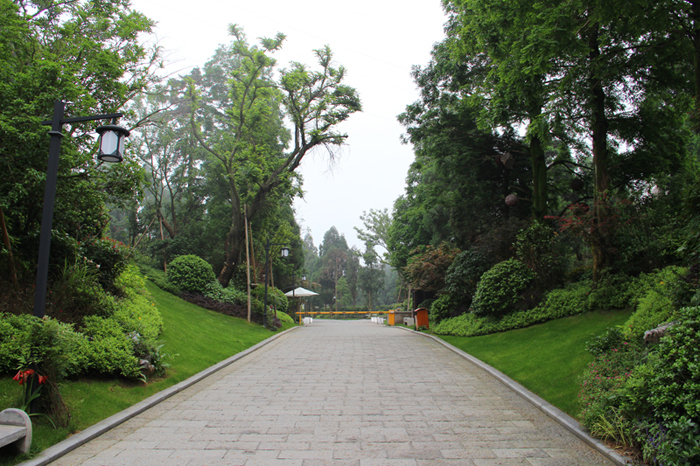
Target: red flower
(22,376)
(43,379)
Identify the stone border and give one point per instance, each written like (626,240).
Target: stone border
(550,410)
(71,443)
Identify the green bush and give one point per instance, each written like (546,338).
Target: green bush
(536,247)
(500,289)
(613,291)
(108,255)
(110,350)
(568,301)
(230,295)
(284,317)
(275,297)
(464,274)
(52,345)
(663,394)
(606,342)
(190,273)
(559,303)
(77,294)
(442,308)
(657,305)
(601,402)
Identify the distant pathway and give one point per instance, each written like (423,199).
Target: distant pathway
(342,393)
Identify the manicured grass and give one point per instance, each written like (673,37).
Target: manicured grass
(196,338)
(548,358)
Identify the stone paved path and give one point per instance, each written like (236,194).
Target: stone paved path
(342,393)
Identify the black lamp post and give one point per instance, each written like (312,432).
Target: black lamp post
(284,253)
(111,150)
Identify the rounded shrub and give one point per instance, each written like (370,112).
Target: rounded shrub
(275,297)
(499,290)
(463,275)
(190,273)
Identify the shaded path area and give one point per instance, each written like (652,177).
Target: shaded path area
(342,393)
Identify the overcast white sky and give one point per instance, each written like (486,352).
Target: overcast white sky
(377,41)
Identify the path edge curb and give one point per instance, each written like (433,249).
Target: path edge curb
(71,443)
(549,409)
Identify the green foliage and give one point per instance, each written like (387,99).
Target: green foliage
(613,291)
(229,294)
(275,297)
(77,294)
(441,308)
(606,342)
(285,318)
(428,266)
(52,345)
(537,247)
(500,289)
(656,306)
(672,390)
(603,377)
(86,53)
(110,350)
(159,278)
(190,273)
(464,274)
(109,257)
(558,303)
(108,344)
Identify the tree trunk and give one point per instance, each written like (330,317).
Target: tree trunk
(539,180)
(164,223)
(695,15)
(599,130)
(8,245)
(247,262)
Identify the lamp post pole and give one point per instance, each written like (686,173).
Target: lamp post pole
(285,253)
(56,124)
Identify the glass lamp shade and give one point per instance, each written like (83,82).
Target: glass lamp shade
(112,140)
(285,252)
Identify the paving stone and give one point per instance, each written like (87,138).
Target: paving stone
(342,393)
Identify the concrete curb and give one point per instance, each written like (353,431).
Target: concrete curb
(71,443)
(550,410)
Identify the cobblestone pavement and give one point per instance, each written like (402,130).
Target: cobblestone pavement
(342,393)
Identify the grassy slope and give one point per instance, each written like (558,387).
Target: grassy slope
(199,338)
(547,358)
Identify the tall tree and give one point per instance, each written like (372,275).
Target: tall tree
(237,113)
(89,54)
(371,276)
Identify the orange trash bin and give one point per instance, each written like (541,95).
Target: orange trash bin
(421,316)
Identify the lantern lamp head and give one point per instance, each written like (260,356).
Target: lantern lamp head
(112,140)
(285,252)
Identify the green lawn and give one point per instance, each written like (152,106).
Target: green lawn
(197,337)
(547,358)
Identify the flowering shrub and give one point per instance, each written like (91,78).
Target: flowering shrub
(600,384)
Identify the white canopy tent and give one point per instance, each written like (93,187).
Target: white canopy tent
(300,292)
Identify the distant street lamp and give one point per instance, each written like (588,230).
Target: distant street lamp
(111,150)
(284,253)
